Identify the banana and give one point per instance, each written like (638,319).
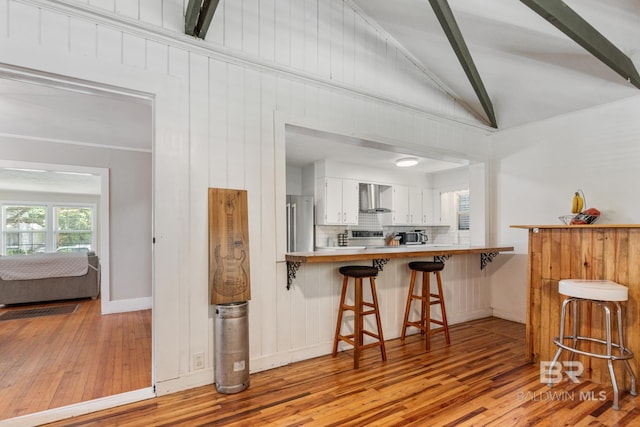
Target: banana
(577,203)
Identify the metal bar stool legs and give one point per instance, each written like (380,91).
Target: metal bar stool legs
(360,309)
(607,295)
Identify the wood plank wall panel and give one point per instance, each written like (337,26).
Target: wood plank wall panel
(4,23)
(54,29)
(586,253)
(199,178)
(228,140)
(330,39)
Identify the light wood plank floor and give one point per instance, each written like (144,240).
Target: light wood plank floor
(481,379)
(53,361)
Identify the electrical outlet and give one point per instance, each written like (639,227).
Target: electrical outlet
(198,361)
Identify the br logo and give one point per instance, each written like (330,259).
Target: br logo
(552,372)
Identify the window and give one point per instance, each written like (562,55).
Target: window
(33,228)
(24,229)
(73,230)
(454,209)
(463,209)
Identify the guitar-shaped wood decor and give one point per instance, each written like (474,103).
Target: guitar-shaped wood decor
(228,246)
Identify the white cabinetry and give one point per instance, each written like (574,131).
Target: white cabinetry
(337,201)
(400,205)
(410,206)
(415,206)
(427,207)
(406,206)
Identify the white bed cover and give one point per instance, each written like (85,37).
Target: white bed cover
(41,266)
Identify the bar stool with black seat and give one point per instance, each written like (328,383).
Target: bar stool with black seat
(427,299)
(359,272)
(608,295)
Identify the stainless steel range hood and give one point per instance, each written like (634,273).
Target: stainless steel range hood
(370,198)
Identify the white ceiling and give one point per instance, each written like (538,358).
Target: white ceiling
(530,69)
(53,110)
(48,181)
(305,146)
(44,109)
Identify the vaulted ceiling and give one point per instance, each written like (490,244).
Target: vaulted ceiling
(530,69)
(509,62)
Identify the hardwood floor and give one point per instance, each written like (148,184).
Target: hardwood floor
(481,379)
(53,361)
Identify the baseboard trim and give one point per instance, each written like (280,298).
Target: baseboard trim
(191,380)
(126,305)
(78,409)
(506,315)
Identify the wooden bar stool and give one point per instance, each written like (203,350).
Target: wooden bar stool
(356,339)
(427,299)
(608,295)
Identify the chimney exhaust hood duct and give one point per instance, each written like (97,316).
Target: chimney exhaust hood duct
(370,198)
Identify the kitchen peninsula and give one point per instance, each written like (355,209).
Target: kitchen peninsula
(380,256)
(595,252)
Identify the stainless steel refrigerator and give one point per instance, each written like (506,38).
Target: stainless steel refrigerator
(300,223)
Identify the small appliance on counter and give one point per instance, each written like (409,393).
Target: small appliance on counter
(417,237)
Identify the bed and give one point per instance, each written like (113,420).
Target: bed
(49,277)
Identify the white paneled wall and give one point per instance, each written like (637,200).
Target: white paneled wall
(220,111)
(327,39)
(315,296)
(537,168)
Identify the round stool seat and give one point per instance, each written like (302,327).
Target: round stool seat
(426,266)
(599,290)
(358,271)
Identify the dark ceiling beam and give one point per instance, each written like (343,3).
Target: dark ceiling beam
(447,21)
(573,25)
(198,17)
(206,15)
(191,17)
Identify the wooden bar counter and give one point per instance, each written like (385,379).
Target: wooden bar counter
(380,255)
(594,252)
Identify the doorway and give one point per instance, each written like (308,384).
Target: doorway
(68,127)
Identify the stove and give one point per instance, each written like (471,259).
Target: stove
(363,234)
(366,238)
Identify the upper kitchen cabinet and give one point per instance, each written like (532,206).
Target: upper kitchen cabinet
(427,208)
(400,205)
(337,201)
(410,206)
(415,205)
(407,206)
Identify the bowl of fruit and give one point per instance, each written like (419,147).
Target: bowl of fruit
(588,216)
(579,216)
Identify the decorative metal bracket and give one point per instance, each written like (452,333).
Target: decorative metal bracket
(379,263)
(441,258)
(486,258)
(292,269)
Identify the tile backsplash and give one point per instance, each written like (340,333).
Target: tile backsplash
(327,235)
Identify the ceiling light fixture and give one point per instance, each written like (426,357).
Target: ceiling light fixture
(406,162)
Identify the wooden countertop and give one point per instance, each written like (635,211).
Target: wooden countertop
(390,252)
(578,226)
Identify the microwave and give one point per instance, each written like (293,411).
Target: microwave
(413,237)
